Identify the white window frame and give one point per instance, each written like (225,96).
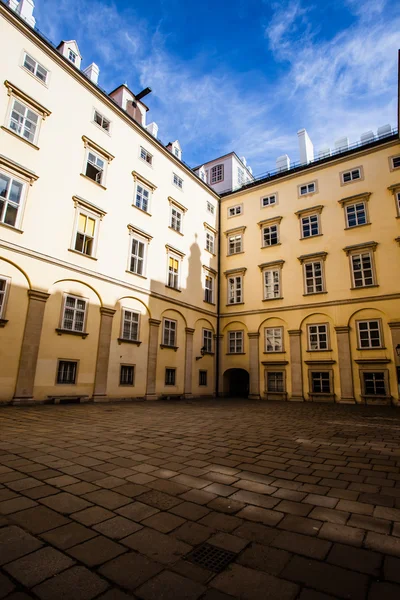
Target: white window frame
(210,208)
(322,379)
(4,293)
(72,56)
(21,126)
(273,336)
(72,362)
(209,289)
(236,342)
(272,283)
(126,319)
(271,381)
(354,206)
(270,200)
(318,337)
(365,326)
(135,258)
(397,198)
(140,196)
(75,309)
(313,278)
(361,256)
(145,156)
(169,332)
(97,157)
(132,369)
(207,340)
(217,173)
(176,218)
(306,189)
(270,235)
(177,181)
(235,289)
(241,176)
(394,162)
(235,211)
(9,203)
(36,67)
(172,275)
(210,241)
(103,121)
(354,174)
(80,210)
(235,244)
(384,376)
(309,221)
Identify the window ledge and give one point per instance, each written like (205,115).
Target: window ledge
(309,237)
(375,397)
(3,322)
(324,350)
(209,251)
(176,231)
(374,348)
(102,128)
(11,227)
(19,137)
(327,396)
(136,274)
(93,181)
(173,288)
(274,352)
(235,353)
(241,252)
(208,354)
(234,304)
(82,334)
(142,210)
(269,299)
(126,385)
(164,346)
(271,245)
(81,253)
(314,293)
(125,341)
(357,226)
(365,287)
(210,303)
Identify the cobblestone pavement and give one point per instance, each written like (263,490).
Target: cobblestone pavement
(108,500)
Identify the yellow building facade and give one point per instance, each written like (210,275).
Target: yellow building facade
(124,275)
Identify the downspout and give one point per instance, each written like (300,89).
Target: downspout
(217,358)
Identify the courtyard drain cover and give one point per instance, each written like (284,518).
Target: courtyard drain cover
(210,557)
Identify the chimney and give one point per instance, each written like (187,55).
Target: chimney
(243,159)
(306,147)
(92,72)
(152,128)
(25,9)
(324,152)
(13,4)
(366,137)
(342,144)
(283,163)
(384,131)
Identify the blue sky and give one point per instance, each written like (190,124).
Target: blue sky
(242,75)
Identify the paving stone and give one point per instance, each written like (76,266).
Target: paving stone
(14,543)
(256,499)
(24,484)
(221,522)
(68,535)
(62,480)
(300,524)
(322,501)
(264,558)
(83,487)
(213,594)
(307,594)
(391,514)
(41,491)
(249,584)
(158,546)
(7,495)
(96,551)
(384,591)
(107,499)
(192,571)
(198,496)
(294,508)
(302,544)
(226,505)
(392,569)
(190,510)
(115,594)
(137,511)
(342,534)
(165,585)
(383,543)
(377,499)
(77,583)
(355,559)
(159,500)
(92,515)
(39,519)
(370,523)
(256,532)
(330,515)
(7,507)
(117,527)
(193,533)
(229,542)
(164,522)
(261,515)
(167,486)
(65,503)
(34,568)
(6,586)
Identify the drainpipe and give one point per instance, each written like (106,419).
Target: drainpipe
(217,359)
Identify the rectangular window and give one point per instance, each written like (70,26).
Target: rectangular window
(396,162)
(235,243)
(235,289)
(85,234)
(72,56)
(24,121)
(275,381)
(241,176)
(101,121)
(130,325)
(308,188)
(11,197)
(314,281)
(235,342)
(309,226)
(210,208)
(233,211)
(95,167)
(3,295)
(35,68)
(273,339)
(272,284)
(169,333)
(374,383)
(209,289)
(361,265)
(127,375)
(74,313)
(317,337)
(178,181)
(348,176)
(217,173)
(173,272)
(369,334)
(146,156)
(356,214)
(270,235)
(66,371)
(137,259)
(142,197)
(202,377)
(398,203)
(207,340)
(176,219)
(210,241)
(170,376)
(268,200)
(320,382)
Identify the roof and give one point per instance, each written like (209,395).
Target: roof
(123,85)
(224,156)
(69,42)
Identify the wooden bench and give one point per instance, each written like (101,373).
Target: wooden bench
(67,398)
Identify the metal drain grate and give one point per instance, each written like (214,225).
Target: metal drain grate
(210,557)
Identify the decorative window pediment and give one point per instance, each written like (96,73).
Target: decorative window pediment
(141,179)
(88,143)
(13,90)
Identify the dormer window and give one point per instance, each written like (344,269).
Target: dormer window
(176,152)
(72,56)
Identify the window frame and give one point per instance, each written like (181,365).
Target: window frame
(17,95)
(147,154)
(217,173)
(312,259)
(4,294)
(210,208)
(176,183)
(169,333)
(89,210)
(91,147)
(318,341)
(177,255)
(350,172)
(122,337)
(142,237)
(379,328)
(307,186)
(386,382)
(235,340)
(276,371)
(171,370)
(362,250)
(310,225)
(127,366)
(268,197)
(391,159)
(269,233)
(238,210)
(33,73)
(237,286)
(20,205)
(66,360)
(321,371)
(103,118)
(209,291)
(27,108)
(354,206)
(272,271)
(204,373)
(280,338)
(62,327)
(207,336)
(210,239)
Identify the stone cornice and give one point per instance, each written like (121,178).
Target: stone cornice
(137,177)
(13,90)
(88,143)
(17,168)
(363,246)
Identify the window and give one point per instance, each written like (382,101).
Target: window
(356,214)
(127,375)
(173,272)
(178,181)
(210,208)
(24,121)
(374,383)
(369,334)
(11,199)
(210,241)
(268,200)
(309,226)
(74,313)
(176,152)
(233,211)
(85,234)
(146,156)
(202,377)
(95,167)
(169,332)
(275,381)
(235,243)
(241,176)
(352,175)
(142,197)
(317,337)
(130,325)
(320,382)
(307,188)
(235,289)
(170,376)
(314,280)
(35,68)
(235,342)
(273,339)
(398,203)
(72,56)
(66,371)
(272,284)
(209,289)
(138,254)
(270,235)
(101,121)
(176,219)
(4,285)
(394,162)
(217,173)
(362,269)
(207,340)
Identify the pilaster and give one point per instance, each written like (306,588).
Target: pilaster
(296,365)
(254,365)
(345,364)
(103,354)
(151,381)
(187,390)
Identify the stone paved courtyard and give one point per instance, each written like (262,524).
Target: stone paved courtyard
(108,500)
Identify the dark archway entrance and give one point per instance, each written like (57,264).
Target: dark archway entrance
(236,383)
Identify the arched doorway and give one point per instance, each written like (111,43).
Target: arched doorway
(236,383)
